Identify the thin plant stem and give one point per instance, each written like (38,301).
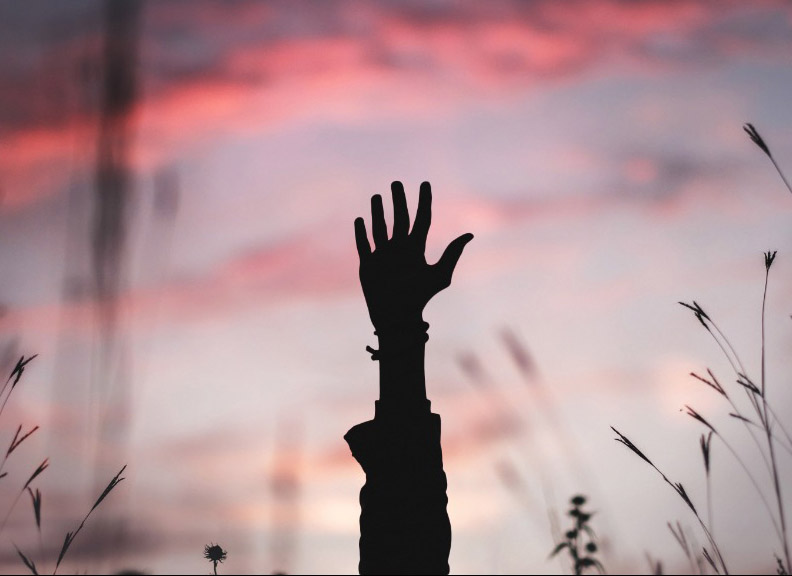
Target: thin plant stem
(751,432)
(766,422)
(785,445)
(764,302)
(739,372)
(786,183)
(713,544)
(742,370)
(777,420)
(42,557)
(5,401)
(709,502)
(80,527)
(7,382)
(754,482)
(681,539)
(723,349)
(728,343)
(699,561)
(11,509)
(746,422)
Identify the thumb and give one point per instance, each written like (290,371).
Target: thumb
(444,269)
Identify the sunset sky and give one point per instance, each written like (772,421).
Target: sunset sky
(595,150)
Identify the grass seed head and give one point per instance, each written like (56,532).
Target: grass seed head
(769,257)
(757,139)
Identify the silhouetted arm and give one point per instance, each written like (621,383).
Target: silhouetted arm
(404,525)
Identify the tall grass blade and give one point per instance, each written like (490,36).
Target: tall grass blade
(43,466)
(16,374)
(70,536)
(36,500)
(28,562)
(17,441)
(709,559)
(113,483)
(66,543)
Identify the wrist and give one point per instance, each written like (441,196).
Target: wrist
(397,409)
(401,365)
(397,321)
(400,340)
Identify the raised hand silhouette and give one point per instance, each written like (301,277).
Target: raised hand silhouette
(396,279)
(404,526)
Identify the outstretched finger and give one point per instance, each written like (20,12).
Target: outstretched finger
(378,227)
(448,261)
(401,218)
(361,239)
(423,216)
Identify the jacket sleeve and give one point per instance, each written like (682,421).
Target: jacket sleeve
(404,526)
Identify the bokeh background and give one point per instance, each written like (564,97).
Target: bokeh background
(179,182)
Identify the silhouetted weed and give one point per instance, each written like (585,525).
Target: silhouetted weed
(580,540)
(215,554)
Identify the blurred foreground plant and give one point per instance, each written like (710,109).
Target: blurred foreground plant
(580,539)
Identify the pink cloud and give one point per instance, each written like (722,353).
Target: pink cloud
(308,266)
(405,63)
(322,263)
(301,267)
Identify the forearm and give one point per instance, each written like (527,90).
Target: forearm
(404,524)
(401,366)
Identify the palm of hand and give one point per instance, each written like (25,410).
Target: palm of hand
(396,279)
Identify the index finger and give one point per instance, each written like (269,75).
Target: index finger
(361,238)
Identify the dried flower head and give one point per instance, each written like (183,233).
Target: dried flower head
(215,554)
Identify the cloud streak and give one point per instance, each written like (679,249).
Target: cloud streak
(251,68)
